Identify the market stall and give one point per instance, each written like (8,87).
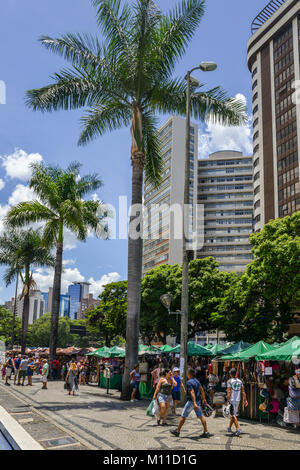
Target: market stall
(265,370)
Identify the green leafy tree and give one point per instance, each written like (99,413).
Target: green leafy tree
(155,320)
(39,332)
(126,82)
(109,317)
(262,304)
(60,205)
(207,287)
(22,251)
(6,324)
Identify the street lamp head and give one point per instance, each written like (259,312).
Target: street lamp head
(208,66)
(166,300)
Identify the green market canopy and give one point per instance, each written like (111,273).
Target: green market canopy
(194,350)
(285,352)
(106,353)
(166,348)
(99,352)
(217,348)
(259,348)
(227,353)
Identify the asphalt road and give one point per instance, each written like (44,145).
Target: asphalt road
(94,420)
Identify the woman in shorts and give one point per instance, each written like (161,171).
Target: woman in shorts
(135,378)
(163,394)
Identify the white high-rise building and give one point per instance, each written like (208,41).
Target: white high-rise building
(161,244)
(225,187)
(36,306)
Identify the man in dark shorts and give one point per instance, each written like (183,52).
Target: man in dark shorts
(194,394)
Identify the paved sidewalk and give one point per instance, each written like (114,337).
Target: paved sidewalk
(99,421)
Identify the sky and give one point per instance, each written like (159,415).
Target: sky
(27,136)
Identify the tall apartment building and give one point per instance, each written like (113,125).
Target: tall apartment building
(225,187)
(161,245)
(36,306)
(274,61)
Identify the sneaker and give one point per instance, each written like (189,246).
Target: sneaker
(205,435)
(175,432)
(132,401)
(229,430)
(238,432)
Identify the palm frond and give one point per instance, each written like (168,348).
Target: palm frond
(70,91)
(175,32)
(215,106)
(103,118)
(28,212)
(83,50)
(114,22)
(152,148)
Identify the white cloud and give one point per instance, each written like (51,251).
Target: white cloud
(2,184)
(17,165)
(44,279)
(21,193)
(96,287)
(217,137)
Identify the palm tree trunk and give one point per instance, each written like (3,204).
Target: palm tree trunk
(25,318)
(56,300)
(135,252)
(14,314)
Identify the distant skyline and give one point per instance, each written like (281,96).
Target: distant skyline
(27,136)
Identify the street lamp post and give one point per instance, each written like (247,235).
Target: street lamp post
(205,67)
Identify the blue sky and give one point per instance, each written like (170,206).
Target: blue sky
(26,135)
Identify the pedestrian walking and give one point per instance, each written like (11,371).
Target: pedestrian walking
(9,367)
(163,394)
(71,377)
(135,377)
(235,392)
(177,389)
(195,393)
(22,370)
(30,371)
(17,367)
(45,373)
(54,369)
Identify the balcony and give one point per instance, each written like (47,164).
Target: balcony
(266,14)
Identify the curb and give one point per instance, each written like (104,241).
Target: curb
(17,437)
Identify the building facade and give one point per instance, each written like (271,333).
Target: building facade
(274,62)
(162,242)
(225,187)
(36,306)
(86,304)
(77,292)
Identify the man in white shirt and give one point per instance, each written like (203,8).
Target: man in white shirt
(235,391)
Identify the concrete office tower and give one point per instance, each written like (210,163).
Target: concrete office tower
(225,187)
(36,306)
(161,245)
(273,59)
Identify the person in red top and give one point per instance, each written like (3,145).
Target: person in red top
(54,368)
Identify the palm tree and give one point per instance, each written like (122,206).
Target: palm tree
(60,205)
(21,251)
(126,82)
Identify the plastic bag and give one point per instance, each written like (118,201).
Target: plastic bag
(155,409)
(149,411)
